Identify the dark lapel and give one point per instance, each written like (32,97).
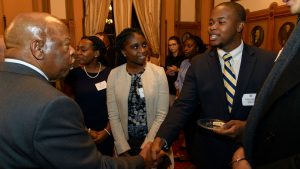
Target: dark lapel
(217,76)
(246,69)
(290,77)
(20,69)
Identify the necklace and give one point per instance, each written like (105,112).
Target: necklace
(93,77)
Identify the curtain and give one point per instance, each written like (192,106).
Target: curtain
(96,12)
(122,14)
(148,13)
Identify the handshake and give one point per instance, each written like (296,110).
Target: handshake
(154,156)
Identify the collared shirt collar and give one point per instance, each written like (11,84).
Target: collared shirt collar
(28,65)
(236,58)
(234,53)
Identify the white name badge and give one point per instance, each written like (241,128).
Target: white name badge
(101,85)
(141,92)
(248,99)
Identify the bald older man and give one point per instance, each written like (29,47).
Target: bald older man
(40,127)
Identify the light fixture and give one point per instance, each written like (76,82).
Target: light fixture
(109,21)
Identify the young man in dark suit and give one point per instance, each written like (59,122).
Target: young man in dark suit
(40,127)
(272,134)
(206,89)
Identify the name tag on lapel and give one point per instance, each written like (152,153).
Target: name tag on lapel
(248,99)
(101,85)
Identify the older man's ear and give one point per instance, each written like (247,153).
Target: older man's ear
(36,49)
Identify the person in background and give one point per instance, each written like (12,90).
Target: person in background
(220,84)
(173,61)
(193,46)
(137,95)
(110,54)
(40,127)
(271,138)
(87,85)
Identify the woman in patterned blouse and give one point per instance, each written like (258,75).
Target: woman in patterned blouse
(137,95)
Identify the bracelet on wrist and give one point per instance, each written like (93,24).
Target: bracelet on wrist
(107,131)
(237,160)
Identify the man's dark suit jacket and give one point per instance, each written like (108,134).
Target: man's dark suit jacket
(277,136)
(40,127)
(203,91)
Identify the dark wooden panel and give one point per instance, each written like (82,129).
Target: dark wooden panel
(191,27)
(272,23)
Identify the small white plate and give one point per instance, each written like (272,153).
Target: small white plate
(211,124)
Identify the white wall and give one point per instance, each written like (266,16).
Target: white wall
(58,8)
(253,5)
(187,11)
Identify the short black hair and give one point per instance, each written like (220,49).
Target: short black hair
(240,10)
(98,45)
